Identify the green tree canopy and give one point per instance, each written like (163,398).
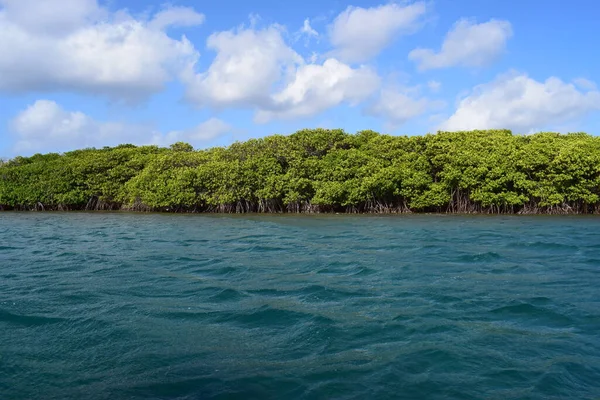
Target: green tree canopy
(320,170)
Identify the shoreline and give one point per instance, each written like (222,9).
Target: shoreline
(287,213)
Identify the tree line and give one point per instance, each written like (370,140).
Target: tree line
(320,170)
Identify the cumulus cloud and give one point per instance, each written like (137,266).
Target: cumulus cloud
(81,46)
(176,16)
(46,126)
(466,44)
(358,34)
(77,45)
(51,17)
(247,65)
(516,101)
(257,69)
(319,87)
(398,105)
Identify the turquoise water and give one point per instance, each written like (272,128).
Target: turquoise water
(145,306)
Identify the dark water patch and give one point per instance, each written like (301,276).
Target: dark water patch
(540,300)
(564,378)
(524,376)
(592,261)
(270,292)
(488,256)
(186,259)
(223,271)
(126,238)
(530,312)
(195,241)
(6,248)
(27,320)
(66,254)
(227,295)
(269,317)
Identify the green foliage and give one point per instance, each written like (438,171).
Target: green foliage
(181,146)
(320,170)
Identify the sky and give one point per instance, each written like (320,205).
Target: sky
(94,73)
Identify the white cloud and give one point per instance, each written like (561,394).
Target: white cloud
(466,44)
(319,87)
(359,34)
(307,29)
(51,17)
(516,101)
(398,105)
(45,126)
(176,16)
(79,46)
(247,65)
(307,32)
(256,69)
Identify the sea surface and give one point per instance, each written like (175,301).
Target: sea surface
(156,306)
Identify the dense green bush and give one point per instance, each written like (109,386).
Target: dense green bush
(320,171)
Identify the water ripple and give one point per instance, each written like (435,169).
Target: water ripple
(152,306)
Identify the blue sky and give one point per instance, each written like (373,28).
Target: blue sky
(90,73)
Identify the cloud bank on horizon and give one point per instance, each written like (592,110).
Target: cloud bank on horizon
(69,66)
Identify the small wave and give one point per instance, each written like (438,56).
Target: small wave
(223,271)
(28,320)
(513,375)
(269,292)
(269,317)
(10,248)
(261,248)
(66,254)
(184,388)
(195,241)
(318,293)
(539,300)
(534,312)
(424,360)
(479,257)
(364,271)
(564,378)
(551,246)
(227,295)
(186,259)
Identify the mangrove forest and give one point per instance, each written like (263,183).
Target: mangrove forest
(320,170)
